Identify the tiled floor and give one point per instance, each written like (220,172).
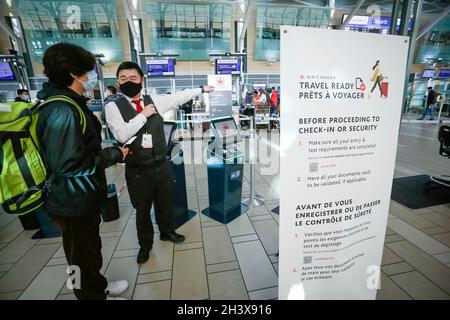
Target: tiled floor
(237,260)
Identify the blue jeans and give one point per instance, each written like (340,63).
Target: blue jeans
(426,110)
(273,108)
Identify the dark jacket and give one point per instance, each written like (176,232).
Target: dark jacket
(76,159)
(187,107)
(431,98)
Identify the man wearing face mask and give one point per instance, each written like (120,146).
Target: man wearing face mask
(75,165)
(147,169)
(22,96)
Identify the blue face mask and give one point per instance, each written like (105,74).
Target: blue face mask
(91,82)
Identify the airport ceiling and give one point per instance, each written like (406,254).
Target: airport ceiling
(429,6)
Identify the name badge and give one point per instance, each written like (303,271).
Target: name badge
(147,142)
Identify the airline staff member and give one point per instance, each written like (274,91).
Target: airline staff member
(22,96)
(147,169)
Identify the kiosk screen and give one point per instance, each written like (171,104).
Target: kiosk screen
(168,130)
(226,131)
(6,72)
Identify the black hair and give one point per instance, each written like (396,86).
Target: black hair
(129,65)
(429,87)
(112,89)
(20,91)
(62,59)
(378,61)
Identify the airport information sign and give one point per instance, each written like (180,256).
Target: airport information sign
(228,66)
(373,24)
(160,68)
(342,99)
(220,100)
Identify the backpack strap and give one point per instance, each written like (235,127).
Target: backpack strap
(68,100)
(62,98)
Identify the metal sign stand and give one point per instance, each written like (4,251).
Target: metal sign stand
(252,199)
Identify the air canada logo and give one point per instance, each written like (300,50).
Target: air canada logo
(379,80)
(220,81)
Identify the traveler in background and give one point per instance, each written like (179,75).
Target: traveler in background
(147,170)
(255,99)
(22,96)
(262,96)
(248,98)
(273,101)
(76,166)
(431,103)
(198,104)
(110,90)
(273,107)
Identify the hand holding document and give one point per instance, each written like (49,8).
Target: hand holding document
(126,151)
(130,141)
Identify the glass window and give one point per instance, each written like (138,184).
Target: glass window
(89,24)
(269,20)
(437,43)
(191,30)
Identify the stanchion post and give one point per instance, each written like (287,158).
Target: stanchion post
(253,200)
(440,111)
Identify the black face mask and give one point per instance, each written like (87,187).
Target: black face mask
(130,88)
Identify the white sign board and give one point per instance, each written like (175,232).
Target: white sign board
(341,106)
(220,82)
(219,101)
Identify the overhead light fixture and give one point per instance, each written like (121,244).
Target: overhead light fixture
(158,54)
(228,54)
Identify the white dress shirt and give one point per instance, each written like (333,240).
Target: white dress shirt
(123,131)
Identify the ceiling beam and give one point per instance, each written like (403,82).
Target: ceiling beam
(244,25)
(355,9)
(433,23)
(127,9)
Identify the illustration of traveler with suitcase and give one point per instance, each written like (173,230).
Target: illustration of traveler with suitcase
(377,79)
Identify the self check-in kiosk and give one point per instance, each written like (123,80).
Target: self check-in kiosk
(225,172)
(181,213)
